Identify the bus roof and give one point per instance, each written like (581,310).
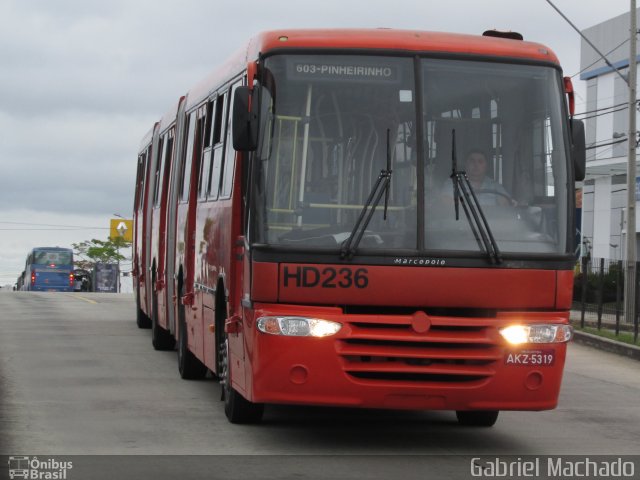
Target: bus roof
(381,39)
(401,40)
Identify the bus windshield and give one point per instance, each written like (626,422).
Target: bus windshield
(52,257)
(332,123)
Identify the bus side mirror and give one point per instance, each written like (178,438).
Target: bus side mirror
(578,149)
(244,121)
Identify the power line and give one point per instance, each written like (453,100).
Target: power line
(589,42)
(606,113)
(78,227)
(626,104)
(606,144)
(608,53)
(46,229)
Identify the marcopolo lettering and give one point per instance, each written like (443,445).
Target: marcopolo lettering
(420,262)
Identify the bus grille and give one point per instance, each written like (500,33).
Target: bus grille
(453,351)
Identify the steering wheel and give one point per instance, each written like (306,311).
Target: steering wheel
(509,199)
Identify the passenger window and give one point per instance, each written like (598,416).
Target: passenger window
(140,182)
(169,158)
(159,170)
(230,156)
(205,173)
(188,158)
(200,143)
(217,145)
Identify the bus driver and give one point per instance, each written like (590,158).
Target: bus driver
(488,191)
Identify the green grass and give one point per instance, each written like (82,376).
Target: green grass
(624,337)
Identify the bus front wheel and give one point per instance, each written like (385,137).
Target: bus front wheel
(237,408)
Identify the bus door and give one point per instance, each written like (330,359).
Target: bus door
(236,257)
(172,213)
(193,305)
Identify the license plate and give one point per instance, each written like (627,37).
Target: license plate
(530,358)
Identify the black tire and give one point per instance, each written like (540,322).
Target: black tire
(477,418)
(161,339)
(237,408)
(142,320)
(189,366)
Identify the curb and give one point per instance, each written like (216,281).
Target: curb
(601,343)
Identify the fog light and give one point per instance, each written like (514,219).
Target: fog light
(298,326)
(537,333)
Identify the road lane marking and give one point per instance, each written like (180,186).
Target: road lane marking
(85,299)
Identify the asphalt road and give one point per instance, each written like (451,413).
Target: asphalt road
(77,377)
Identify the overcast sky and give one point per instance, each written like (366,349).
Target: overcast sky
(81,81)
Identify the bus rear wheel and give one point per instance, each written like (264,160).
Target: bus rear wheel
(237,408)
(477,418)
(189,366)
(142,320)
(161,339)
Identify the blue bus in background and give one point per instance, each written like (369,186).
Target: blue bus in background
(49,269)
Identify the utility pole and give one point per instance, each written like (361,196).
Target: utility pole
(630,280)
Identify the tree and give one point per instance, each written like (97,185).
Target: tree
(93,251)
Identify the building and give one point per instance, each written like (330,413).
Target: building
(606,116)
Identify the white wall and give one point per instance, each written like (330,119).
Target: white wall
(604,123)
(602,218)
(126,284)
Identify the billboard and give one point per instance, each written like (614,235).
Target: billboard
(105,278)
(120,227)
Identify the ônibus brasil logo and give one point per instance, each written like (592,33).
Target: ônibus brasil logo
(33,468)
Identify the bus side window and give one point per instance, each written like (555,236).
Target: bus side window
(205,168)
(185,173)
(168,160)
(159,169)
(140,183)
(230,156)
(198,144)
(218,145)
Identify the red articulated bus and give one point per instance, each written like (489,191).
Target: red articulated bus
(366,218)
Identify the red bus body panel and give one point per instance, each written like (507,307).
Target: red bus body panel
(434,287)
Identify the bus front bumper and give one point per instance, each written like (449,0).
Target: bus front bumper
(406,362)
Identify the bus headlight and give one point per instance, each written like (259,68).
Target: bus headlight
(298,326)
(537,333)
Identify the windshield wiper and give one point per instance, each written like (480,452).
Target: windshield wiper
(463,193)
(382,186)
